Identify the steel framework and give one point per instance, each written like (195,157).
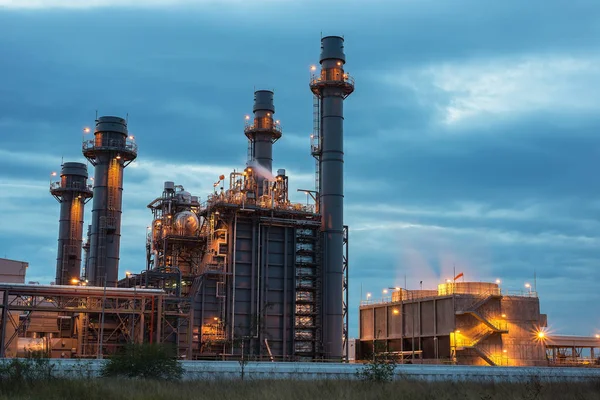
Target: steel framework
(103,319)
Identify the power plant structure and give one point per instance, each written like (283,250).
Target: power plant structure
(72,192)
(111,150)
(245,272)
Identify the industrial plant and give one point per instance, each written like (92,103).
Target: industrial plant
(245,272)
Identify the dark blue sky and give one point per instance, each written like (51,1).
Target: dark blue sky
(472,139)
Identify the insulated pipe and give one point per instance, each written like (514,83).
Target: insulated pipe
(110,152)
(332,87)
(262,133)
(72,193)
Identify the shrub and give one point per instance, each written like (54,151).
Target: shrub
(20,373)
(149,361)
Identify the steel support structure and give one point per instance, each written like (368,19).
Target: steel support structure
(127,314)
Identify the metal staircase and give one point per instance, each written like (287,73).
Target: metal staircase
(307,322)
(488,328)
(487,357)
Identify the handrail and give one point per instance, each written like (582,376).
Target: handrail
(317,78)
(71,186)
(130,145)
(249,126)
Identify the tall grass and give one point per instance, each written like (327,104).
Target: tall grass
(134,389)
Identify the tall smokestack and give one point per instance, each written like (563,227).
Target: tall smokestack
(72,192)
(262,133)
(331,87)
(110,152)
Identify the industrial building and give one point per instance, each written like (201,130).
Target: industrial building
(246,271)
(472,323)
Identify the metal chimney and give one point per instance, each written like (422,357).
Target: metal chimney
(262,132)
(331,87)
(110,152)
(86,254)
(72,192)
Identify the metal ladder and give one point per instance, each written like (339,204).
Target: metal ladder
(100,257)
(113,187)
(315,145)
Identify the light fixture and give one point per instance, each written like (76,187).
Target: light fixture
(396,311)
(503,315)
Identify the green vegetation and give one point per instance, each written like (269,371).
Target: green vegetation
(156,376)
(148,361)
(138,389)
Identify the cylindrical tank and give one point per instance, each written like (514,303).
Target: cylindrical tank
(72,192)
(110,152)
(331,89)
(186,223)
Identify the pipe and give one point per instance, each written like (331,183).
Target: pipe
(258,285)
(331,88)
(233,284)
(110,152)
(72,192)
(285,291)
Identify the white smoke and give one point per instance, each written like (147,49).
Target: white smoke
(261,171)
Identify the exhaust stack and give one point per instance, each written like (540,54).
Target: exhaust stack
(72,192)
(262,132)
(331,86)
(110,152)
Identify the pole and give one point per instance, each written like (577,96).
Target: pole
(100,336)
(403,316)
(4,322)
(413,325)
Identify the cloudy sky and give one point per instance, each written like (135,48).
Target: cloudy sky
(472,139)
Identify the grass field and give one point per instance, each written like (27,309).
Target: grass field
(113,389)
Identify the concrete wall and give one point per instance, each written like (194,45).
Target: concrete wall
(212,370)
(12,271)
(524,321)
